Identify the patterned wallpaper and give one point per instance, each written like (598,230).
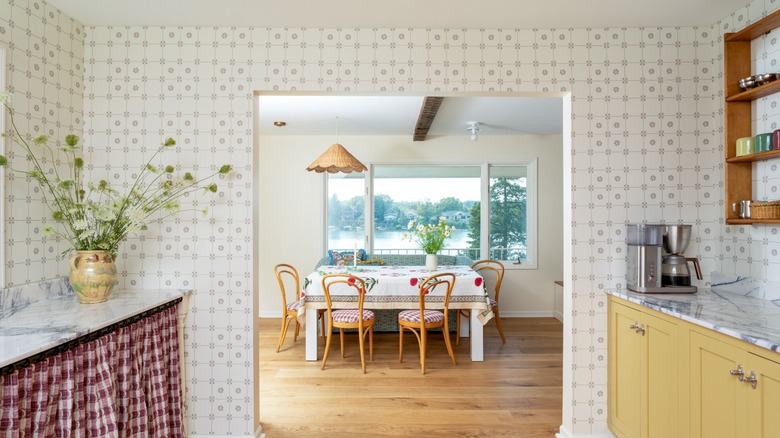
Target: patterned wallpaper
(645,143)
(44,73)
(647,146)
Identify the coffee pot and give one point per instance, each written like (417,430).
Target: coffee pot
(674,266)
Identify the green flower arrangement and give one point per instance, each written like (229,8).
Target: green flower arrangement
(96,216)
(430,237)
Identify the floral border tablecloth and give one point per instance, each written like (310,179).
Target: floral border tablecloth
(397,287)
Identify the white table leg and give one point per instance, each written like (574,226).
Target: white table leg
(464,325)
(311,334)
(477,350)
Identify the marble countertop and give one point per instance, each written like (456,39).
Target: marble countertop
(37,326)
(742,316)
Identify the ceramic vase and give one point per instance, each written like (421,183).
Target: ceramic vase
(92,275)
(431,262)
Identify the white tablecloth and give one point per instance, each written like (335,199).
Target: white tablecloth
(397,287)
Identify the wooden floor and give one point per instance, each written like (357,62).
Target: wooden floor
(515,392)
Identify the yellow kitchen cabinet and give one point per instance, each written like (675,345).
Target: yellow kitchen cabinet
(644,377)
(718,403)
(735,391)
(764,399)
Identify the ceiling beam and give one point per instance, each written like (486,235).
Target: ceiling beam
(430,107)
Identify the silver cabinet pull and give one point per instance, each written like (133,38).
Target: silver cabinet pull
(752,379)
(637,328)
(739,372)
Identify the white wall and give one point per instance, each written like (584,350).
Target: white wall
(291,223)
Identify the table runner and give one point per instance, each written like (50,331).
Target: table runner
(397,287)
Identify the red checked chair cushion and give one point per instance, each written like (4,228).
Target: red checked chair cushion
(414,316)
(351,315)
(295,305)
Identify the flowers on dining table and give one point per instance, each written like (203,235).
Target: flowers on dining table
(430,237)
(96,216)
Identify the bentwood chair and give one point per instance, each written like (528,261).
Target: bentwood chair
(493,273)
(288,273)
(360,319)
(421,320)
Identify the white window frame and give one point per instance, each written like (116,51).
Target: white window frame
(531,165)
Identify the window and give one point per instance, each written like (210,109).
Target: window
(423,194)
(491,206)
(508,213)
(346,207)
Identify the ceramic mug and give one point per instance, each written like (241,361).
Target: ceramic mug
(742,208)
(763,142)
(745,146)
(776,139)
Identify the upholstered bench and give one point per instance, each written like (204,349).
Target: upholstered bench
(387,319)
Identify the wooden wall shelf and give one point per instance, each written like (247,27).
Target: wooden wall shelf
(756,93)
(754,157)
(751,221)
(738,115)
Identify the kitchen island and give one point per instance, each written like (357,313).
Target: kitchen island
(695,365)
(112,367)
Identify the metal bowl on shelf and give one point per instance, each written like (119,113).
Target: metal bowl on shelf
(747,83)
(764,78)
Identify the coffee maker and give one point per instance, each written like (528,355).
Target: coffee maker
(649,269)
(674,266)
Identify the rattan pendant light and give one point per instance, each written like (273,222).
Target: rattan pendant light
(336,159)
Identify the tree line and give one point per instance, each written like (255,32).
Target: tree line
(507,216)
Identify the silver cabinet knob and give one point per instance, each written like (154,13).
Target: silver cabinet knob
(637,328)
(752,379)
(739,372)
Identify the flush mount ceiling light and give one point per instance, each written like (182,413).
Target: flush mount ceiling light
(473,128)
(336,159)
(280,123)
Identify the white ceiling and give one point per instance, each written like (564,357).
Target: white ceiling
(397,115)
(509,14)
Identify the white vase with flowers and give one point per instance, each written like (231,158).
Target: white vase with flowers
(431,239)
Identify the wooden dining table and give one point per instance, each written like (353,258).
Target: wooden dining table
(397,287)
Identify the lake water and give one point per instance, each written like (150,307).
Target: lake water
(344,239)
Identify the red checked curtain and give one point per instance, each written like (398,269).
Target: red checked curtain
(123,384)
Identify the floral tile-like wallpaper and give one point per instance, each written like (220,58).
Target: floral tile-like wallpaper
(646,146)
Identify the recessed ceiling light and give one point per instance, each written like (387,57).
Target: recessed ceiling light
(280,123)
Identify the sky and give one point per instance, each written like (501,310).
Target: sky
(408,189)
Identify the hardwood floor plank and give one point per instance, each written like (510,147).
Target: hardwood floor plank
(515,392)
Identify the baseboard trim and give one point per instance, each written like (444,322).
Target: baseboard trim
(528,314)
(566,433)
(558,315)
(563,432)
(262,435)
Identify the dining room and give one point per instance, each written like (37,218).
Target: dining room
(294,226)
